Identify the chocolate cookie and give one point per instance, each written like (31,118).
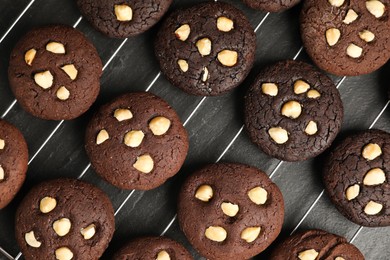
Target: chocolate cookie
(54,72)
(230,211)
(64,219)
(13,162)
(271,6)
(357,176)
(292,111)
(153,248)
(347,37)
(137,141)
(123,18)
(316,245)
(207,49)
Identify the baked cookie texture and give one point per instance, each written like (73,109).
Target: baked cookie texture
(64,219)
(207,49)
(271,6)
(356,178)
(347,38)
(156,248)
(123,18)
(293,111)
(230,211)
(13,162)
(54,72)
(136,141)
(316,245)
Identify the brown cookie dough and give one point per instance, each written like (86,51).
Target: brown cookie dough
(271,6)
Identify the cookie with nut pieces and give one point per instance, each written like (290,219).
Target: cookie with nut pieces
(123,18)
(316,245)
(271,6)
(230,211)
(357,175)
(207,49)
(292,111)
(347,37)
(13,162)
(54,72)
(156,248)
(64,219)
(136,141)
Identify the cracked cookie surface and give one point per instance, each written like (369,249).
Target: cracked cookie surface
(136,141)
(347,37)
(357,176)
(271,6)
(54,72)
(207,49)
(292,111)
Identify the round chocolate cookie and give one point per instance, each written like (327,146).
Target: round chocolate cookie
(153,248)
(207,49)
(271,6)
(347,37)
(316,245)
(123,18)
(292,111)
(54,72)
(13,162)
(136,141)
(230,211)
(357,176)
(64,219)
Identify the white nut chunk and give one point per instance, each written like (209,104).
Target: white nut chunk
(336,3)
(310,254)
(55,47)
(144,163)
(229,209)
(258,195)
(204,193)
(354,51)
(374,176)
(332,36)
(292,109)
(352,192)
(215,233)
(44,79)
(278,134)
(339,258)
(70,70)
(225,24)
(123,13)
(373,208)
(163,255)
(2,144)
(270,89)
(102,137)
(2,174)
(63,93)
(29,56)
(183,32)
(311,128)
(376,8)
(367,36)
(250,234)
(159,125)
(134,138)
(205,74)
(183,65)
(371,151)
(204,46)
(301,87)
(47,204)
(228,58)
(62,226)
(123,114)
(88,232)
(313,94)
(31,240)
(63,253)
(350,17)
